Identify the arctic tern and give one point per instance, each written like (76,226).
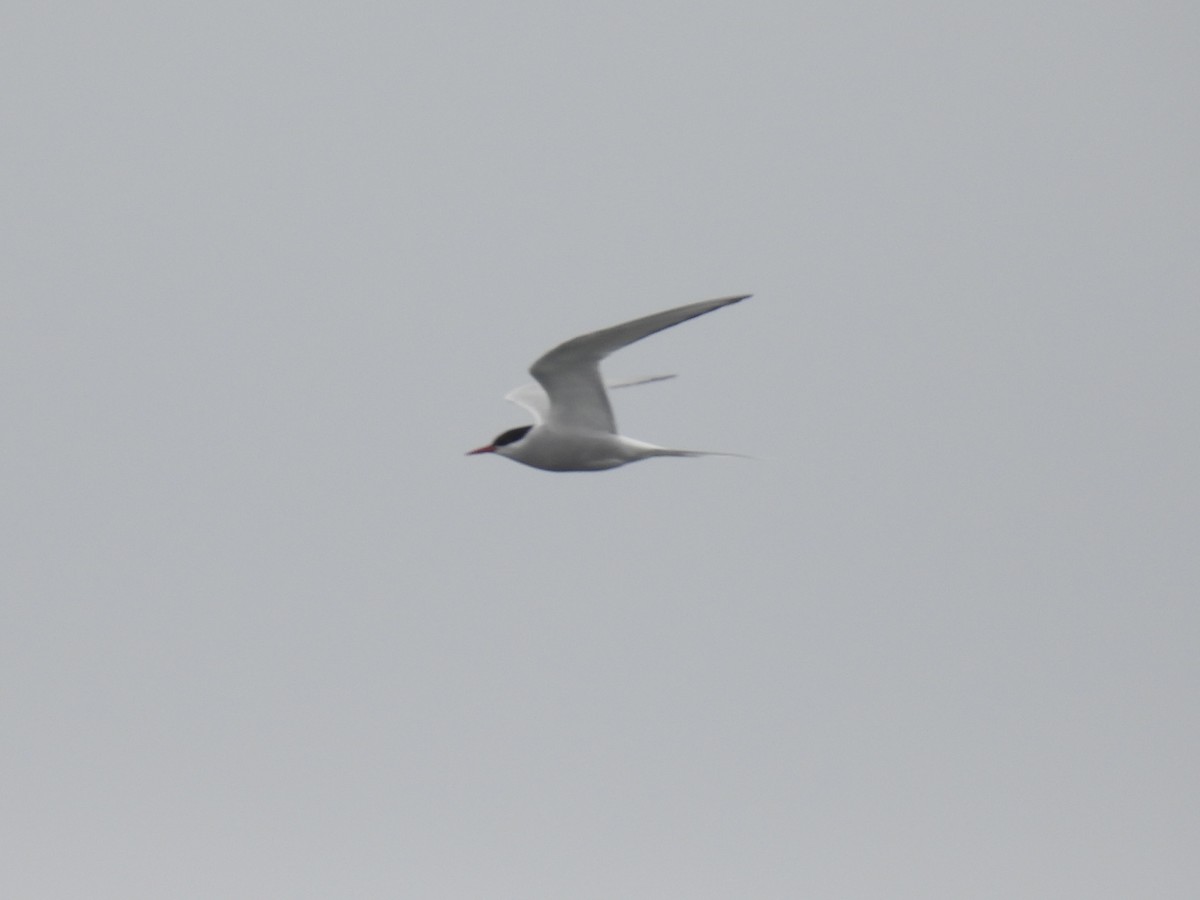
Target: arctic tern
(574,429)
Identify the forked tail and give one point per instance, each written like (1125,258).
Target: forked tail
(648,450)
(663,451)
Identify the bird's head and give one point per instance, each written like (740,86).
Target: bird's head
(505,442)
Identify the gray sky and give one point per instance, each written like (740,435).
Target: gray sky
(270,268)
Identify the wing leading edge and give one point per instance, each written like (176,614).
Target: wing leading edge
(570,373)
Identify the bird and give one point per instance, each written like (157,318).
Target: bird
(574,429)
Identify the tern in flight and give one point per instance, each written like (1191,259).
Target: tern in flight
(573,427)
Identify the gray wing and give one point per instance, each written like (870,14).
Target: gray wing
(534,399)
(570,373)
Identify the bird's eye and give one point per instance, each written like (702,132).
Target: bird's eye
(512,435)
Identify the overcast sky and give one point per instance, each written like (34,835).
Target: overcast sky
(269,269)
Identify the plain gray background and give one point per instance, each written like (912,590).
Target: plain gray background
(268,270)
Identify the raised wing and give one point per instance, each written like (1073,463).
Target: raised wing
(534,399)
(570,373)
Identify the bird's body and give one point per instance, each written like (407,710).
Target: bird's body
(574,428)
(584,451)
